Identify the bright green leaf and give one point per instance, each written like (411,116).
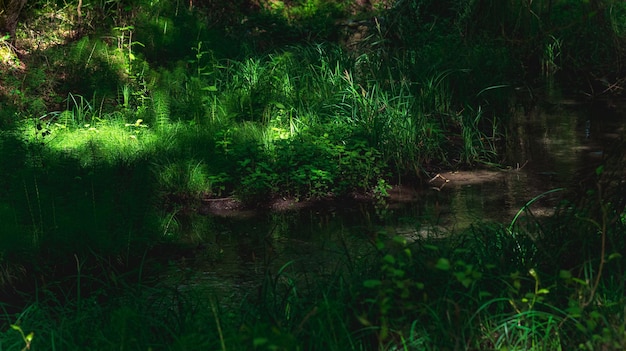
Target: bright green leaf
(372,283)
(389,259)
(599,170)
(614,256)
(398,273)
(399,239)
(259,341)
(574,311)
(407,252)
(443,264)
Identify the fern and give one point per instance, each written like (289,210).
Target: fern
(161,107)
(66,119)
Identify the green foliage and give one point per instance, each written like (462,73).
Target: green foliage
(405,291)
(127,109)
(498,288)
(185,183)
(161,108)
(396,293)
(311,18)
(401,118)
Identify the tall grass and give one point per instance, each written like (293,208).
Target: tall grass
(306,122)
(486,288)
(406,121)
(371,110)
(90,185)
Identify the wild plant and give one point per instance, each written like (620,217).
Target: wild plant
(125,44)
(395,293)
(161,108)
(187,96)
(184,182)
(7,54)
(550,63)
(82,112)
(251,89)
(478,146)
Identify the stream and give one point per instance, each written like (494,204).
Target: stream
(548,147)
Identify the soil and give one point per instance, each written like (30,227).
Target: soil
(403,193)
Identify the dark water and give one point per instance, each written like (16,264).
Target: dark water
(548,147)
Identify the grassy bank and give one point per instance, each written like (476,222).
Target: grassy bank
(118,119)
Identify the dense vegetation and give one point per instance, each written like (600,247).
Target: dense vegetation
(117,118)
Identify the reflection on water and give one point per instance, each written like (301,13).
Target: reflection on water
(235,254)
(547,148)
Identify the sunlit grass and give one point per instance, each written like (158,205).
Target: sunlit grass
(99,140)
(238,122)
(188,181)
(224,113)
(88,191)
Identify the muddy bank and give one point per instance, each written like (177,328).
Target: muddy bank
(397,194)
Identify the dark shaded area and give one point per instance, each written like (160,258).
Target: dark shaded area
(62,220)
(9,15)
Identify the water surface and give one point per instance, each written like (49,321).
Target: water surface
(553,146)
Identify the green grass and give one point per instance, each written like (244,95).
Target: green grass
(409,294)
(241,112)
(111,139)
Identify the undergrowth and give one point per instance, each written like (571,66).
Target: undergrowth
(121,120)
(489,287)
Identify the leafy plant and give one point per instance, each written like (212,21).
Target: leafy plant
(26,338)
